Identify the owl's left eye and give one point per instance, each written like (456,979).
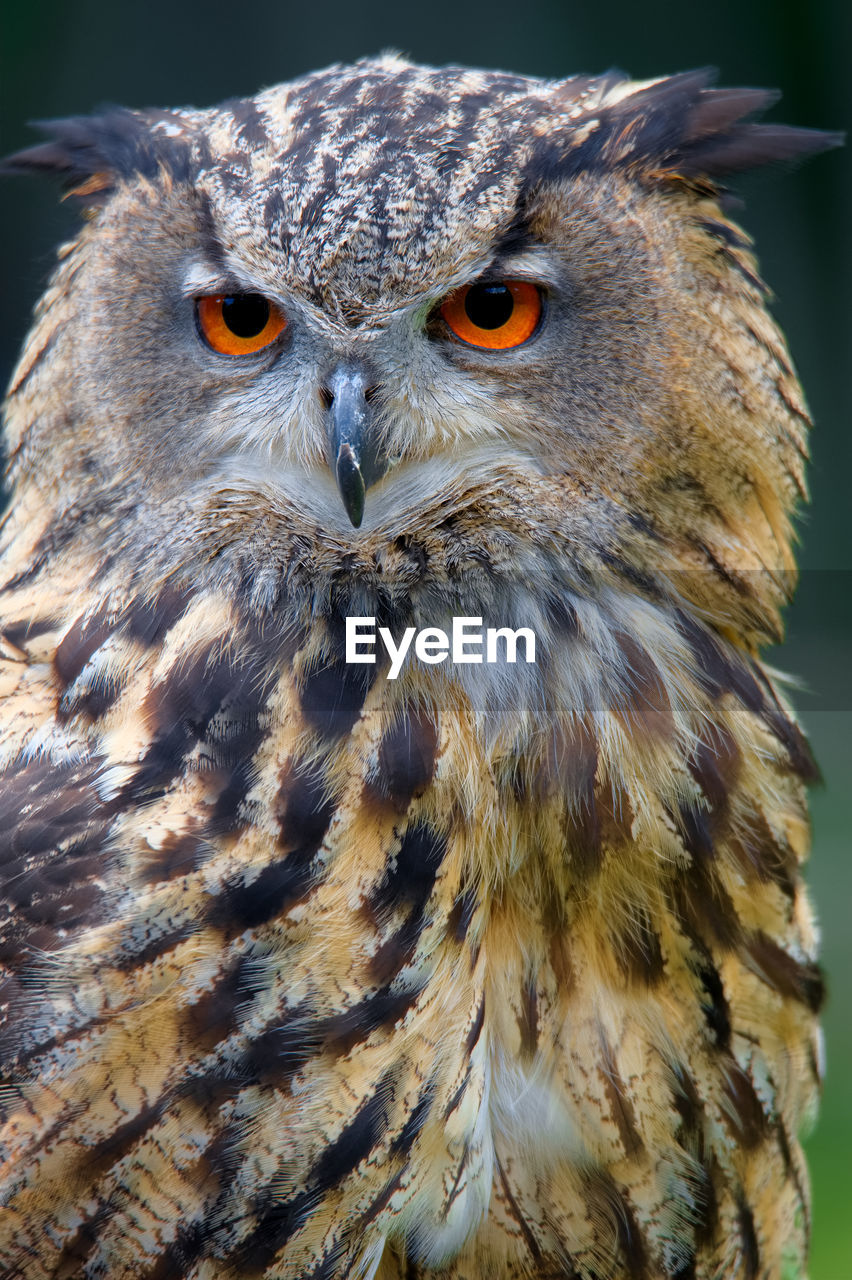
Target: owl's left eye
(238,324)
(495,314)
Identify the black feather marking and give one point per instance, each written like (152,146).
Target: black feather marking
(235,769)
(472,1038)
(792,978)
(297,1035)
(410,878)
(159,945)
(303,811)
(725,670)
(216,1013)
(405,1139)
(355,1142)
(525,1228)
(460,1092)
(788,733)
(574,766)
(407,883)
(638,950)
(703,905)
(644,582)
(144,621)
(459,919)
(147,620)
(18,633)
(82,639)
(302,807)
(715,766)
(714,1006)
(329,1267)
(631,1240)
(690,1108)
(748,146)
(692,1137)
(722,669)
(647,707)
(332,696)
(383,1199)
(741,1107)
(406,760)
(246,904)
(621,1108)
(80,1246)
(281,1051)
(761,854)
(101,1156)
(516,238)
(65,527)
(19,1045)
(562,615)
(177,856)
(340,1032)
(606,1202)
(276,1222)
(396,951)
(180,1254)
(251,123)
(93,699)
(694,827)
(527,1018)
(748,1240)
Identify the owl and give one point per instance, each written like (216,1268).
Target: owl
(329,948)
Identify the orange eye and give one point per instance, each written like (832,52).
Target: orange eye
(496,314)
(238,324)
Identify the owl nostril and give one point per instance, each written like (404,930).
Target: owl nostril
(326,397)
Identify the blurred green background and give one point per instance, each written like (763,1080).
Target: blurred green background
(58,58)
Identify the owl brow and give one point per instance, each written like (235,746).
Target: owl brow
(534,265)
(199,281)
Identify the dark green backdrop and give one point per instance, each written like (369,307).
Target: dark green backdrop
(58,58)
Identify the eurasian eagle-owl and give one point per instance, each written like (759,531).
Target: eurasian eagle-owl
(491,969)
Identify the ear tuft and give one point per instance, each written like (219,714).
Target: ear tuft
(679,127)
(717,137)
(91,154)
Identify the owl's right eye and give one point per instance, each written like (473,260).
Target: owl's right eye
(238,324)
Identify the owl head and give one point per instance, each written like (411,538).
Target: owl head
(390,329)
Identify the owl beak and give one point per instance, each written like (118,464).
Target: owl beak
(352,458)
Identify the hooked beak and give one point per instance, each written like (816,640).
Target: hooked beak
(352,454)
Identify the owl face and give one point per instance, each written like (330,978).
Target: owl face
(433,397)
(388,297)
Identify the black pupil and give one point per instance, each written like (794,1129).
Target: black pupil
(489,306)
(245,314)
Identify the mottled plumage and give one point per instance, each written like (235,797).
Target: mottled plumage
(500,971)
